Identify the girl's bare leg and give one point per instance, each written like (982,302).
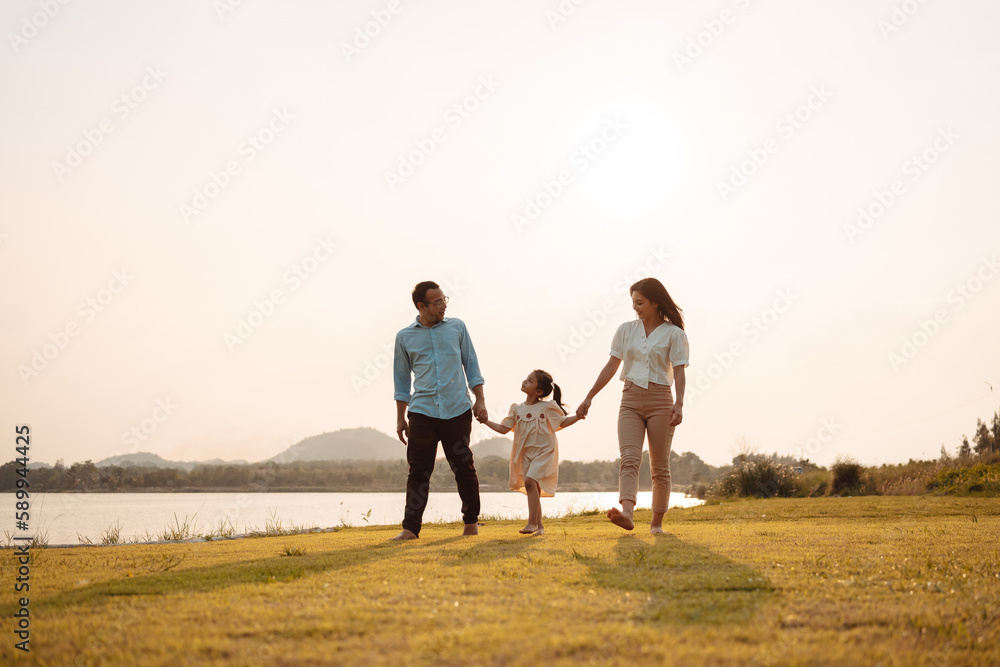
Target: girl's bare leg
(623,517)
(534,507)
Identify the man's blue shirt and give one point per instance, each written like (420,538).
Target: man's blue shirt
(440,359)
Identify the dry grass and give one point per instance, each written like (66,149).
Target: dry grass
(823,581)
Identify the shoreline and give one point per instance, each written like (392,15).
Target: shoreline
(568,488)
(291,532)
(195,540)
(109,519)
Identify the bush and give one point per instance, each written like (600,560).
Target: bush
(757,478)
(812,484)
(978,479)
(846,476)
(903,479)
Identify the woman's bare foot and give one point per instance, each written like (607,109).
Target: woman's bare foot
(528,529)
(540,531)
(621,519)
(656,530)
(405,535)
(471,529)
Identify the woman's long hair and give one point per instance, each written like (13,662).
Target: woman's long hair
(547,386)
(653,289)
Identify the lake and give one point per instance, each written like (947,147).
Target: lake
(63,517)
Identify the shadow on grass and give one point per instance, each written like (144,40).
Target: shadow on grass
(681,582)
(424,543)
(492,550)
(274,569)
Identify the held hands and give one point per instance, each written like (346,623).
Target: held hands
(583,408)
(480,412)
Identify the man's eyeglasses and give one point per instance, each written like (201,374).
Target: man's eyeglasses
(438,303)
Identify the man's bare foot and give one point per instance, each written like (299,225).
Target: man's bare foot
(656,530)
(619,519)
(540,531)
(405,535)
(471,529)
(528,529)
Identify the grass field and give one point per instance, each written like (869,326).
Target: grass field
(868,580)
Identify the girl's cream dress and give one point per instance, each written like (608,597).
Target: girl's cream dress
(535,453)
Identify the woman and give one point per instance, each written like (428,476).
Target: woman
(654,348)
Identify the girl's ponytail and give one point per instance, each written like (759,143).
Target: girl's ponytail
(547,386)
(557,395)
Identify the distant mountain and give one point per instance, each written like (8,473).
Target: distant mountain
(148,460)
(143,459)
(498,446)
(348,443)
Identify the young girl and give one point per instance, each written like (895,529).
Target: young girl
(534,458)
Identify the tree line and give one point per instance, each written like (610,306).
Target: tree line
(340,476)
(986,438)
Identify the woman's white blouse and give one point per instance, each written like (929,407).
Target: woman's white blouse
(650,359)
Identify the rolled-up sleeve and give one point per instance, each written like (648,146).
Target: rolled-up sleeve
(618,343)
(470,362)
(401,371)
(679,348)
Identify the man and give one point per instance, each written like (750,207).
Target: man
(438,352)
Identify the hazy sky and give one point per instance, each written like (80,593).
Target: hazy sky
(213,214)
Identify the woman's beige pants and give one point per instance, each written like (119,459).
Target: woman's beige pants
(645,412)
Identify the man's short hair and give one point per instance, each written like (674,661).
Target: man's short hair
(421,290)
